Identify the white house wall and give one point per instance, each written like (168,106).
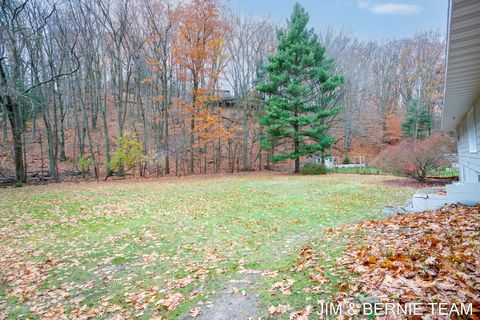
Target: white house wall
(469,162)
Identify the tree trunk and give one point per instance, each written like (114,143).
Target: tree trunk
(296,144)
(165,126)
(245,164)
(4,126)
(52,157)
(192,127)
(55,122)
(63,157)
(297,159)
(192,141)
(90,145)
(14,114)
(16,122)
(105,120)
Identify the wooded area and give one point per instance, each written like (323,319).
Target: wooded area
(104,87)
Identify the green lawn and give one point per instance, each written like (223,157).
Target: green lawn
(124,248)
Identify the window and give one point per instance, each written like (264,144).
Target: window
(472,134)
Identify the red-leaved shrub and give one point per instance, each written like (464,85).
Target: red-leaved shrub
(415,159)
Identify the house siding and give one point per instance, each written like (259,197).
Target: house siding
(469,162)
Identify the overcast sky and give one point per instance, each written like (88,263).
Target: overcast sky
(376,19)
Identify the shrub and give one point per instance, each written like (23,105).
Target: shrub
(346,160)
(84,165)
(128,154)
(314,168)
(415,159)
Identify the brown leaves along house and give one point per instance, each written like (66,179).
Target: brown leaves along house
(418,258)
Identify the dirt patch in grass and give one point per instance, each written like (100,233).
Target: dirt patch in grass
(237,301)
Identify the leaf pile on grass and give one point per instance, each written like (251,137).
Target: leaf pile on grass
(416,258)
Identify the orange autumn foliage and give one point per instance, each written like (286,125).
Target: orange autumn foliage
(198,47)
(209,126)
(199,52)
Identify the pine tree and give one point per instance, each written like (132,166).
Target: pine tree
(418,121)
(301,91)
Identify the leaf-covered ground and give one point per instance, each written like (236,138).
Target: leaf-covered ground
(427,259)
(166,248)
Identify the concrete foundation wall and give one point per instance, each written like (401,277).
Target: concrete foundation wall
(464,193)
